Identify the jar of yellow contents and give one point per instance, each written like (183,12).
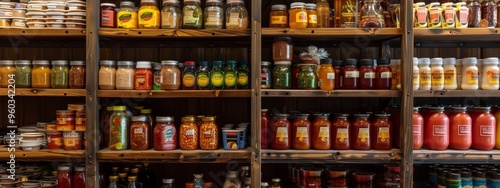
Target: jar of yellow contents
(149,15)
(40,75)
(7,69)
(298,15)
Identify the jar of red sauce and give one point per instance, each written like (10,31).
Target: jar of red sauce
(383,75)
(301,132)
(64,177)
(79,177)
(108,15)
(360,132)
(381,132)
(418,129)
(367,74)
(264,128)
(321,132)
(281,128)
(143,77)
(337,67)
(350,74)
(340,132)
(165,134)
(483,129)
(460,128)
(395,111)
(54,140)
(436,130)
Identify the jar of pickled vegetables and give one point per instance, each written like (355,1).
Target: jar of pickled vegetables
(360,132)
(209,133)
(118,129)
(307,78)
(298,15)
(381,132)
(282,75)
(192,15)
(149,15)
(77,75)
(236,15)
(59,74)
(281,128)
(321,132)
(6,68)
(188,134)
(171,15)
(40,75)
(301,132)
(340,132)
(22,73)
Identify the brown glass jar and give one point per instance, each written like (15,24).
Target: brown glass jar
(77,75)
(282,49)
(278,17)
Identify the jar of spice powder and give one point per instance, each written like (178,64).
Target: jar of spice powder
(282,49)
(40,75)
(107,74)
(77,75)
(6,68)
(170,75)
(125,75)
(143,76)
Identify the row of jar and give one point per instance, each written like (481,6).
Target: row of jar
(170,76)
(464,176)
(215,15)
(120,176)
(40,74)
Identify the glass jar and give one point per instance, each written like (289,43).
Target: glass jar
(54,140)
(265,75)
(217,76)
(168,183)
(363,179)
(383,75)
(301,132)
(340,132)
(143,78)
(189,76)
(483,128)
(460,128)
(489,13)
(367,74)
(149,15)
(232,180)
(470,74)
(371,15)
(157,79)
(278,17)
(437,123)
(77,75)
(360,132)
(323,11)
(243,75)
(214,14)
(7,68)
(165,134)
(307,78)
(337,67)
(474,13)
(281,128)
(139,133)
(396,73)
(22,73)
(282,75)
(295,74)
(264,128)
(418,129)
(40,75)
(425,74)
(230,75)
(312,21)
(127,16)
(381,132)
(326,75)
(437,72)
(490,74)
(188,134)
(107,75)
(351,75)
(170,75)
(64,176)
(450,74)
(125,75)
(209,134)
(79,177)
(171,15)
(321,132)
(275,183)
(59,74)
(203,76)
(118,129)
(236,15)
(416,74)
(108,15)
(192,15)
(298,15)
(282,49)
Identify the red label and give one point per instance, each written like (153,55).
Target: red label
(416,130)
(107,18)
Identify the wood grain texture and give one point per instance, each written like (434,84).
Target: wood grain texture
(458,93)
(219,155)
(39,92)
(44,155)
(172,94)
(333,93)
(171,33)
(457,35)
(66,32)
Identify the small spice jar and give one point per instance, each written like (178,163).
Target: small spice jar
(77,75)
(108,15)
(278,17)
(265,75)
(40,75)
(282,49)
(59,74)
(209,134)
(298,15)
(282,75)
(6,70)
(107,74)
(125,75)
(312,16)
(127,16)
(22,73)
(143,76)
(72,140)
(171,75)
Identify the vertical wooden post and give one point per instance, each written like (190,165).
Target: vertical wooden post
(256,99)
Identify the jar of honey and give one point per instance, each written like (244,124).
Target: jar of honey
(298,15)
(278,17)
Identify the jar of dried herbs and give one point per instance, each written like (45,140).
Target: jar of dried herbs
(214,14)
(59,74)
(236,15)
(192,15)
(282,75)
(22,73)
(171,15)
(6,68)
(307,78)
(40,75)
(77,74)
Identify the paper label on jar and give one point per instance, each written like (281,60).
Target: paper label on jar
(279,20)
(324,133)
(449,16)
(493,76)
(190,134)
(242,78)
(370,75)
(439,130)
(437,77)
(169,134)
(167,19)
(385,75)
(282,134)
(464,129)
(138,131)
(148,18)
(188,80)
(435,15)
(425,77)
(422,15)
(217,79)
(302,133)
(383,134)
(417,130)
(472,77)
(234,19)
(463,16)
(189,17)
(416,77)
(214,18)
(342,134)
(351,74)
(364,134)
(203,80)
(230,79)
(80,121)
(313,19)
(330,76)
(127,19)
(61,121)
(487,130)
(56,141)
(301,17)
(207,134)
(107,18)
(69,142)
(450,77)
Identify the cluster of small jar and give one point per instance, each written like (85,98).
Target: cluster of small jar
(136,175)
(66,178)
(216,15)
(470,14)
(464,176)
(39,74)
(451,74)
(302,131)
(457,127)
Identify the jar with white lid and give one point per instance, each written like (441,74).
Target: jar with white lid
(425,73)
(459,67)
(437,72)
(490,76)
(450,74)
(107,74)
(470,74)
(416,74)
(125,75)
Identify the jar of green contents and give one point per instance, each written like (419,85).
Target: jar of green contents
(230,75)
(217,76)
(192,15)
(243,75)
(453,180)
(59,74)
(203,76)
(282,75)
(307,78)
(22,73)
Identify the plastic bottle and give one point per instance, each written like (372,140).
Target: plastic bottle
(450,74)
(490,74)
(425,73)
(437,72)
(470,74)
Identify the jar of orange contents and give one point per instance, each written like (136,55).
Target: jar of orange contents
(298,15)
(321,132)
(381,132)
(340,132)
(282,129)
(360,132)
(301,132)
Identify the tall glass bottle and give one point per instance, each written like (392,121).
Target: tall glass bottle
(348,14)
(203,76)
(119,124)
(323,12)
(371,16)
(230,75)
(217,76)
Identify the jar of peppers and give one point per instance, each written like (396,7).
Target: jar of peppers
(139,133)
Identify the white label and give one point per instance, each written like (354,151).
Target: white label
(324,132)
(214,18)
(234,19)
(385,75)
(352,74)
(439,130)
(36,7)
(330,76)
(188,17)
(416,130)
(138,131)
(487,130)
(464,129)
(302,132)
(190,132)
(369,75)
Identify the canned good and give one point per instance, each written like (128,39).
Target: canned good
(54,140)
(65,120)
(72,140)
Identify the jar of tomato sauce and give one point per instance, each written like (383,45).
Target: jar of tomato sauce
(418,129)
(381,132)
(351,75)
(436,135)
(395,111)
(281,128)
(340,132)
(139,133)
(483,129)
(337,67)
(497,135)
(301,132)
(460,128)
(264,129)
(383,75)
(360,132)
(321,132)
(64,176)
(165,134)
(367,74)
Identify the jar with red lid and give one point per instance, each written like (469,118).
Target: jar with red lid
(381,132)
(108,15)
(281,128)
(360,132)
(80,121)
(301,132)
(460,128)
(54,140)
(321,132)
(418,129)
(337,67)
(264,129)
(64,177)
(436,130)
(383,75)
(340,132)
(350,74)
(483,129)
(79,177)
(65,120)
(143,77)
(165,134)
(139,133)
(367,74)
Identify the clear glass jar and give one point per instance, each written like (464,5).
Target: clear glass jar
(171,75)
(474,13)
(236,15)
(59,74)
(22,73)
(265,75)
(119,126)
(278,16)
(107,75)
(282,75)
(209,134)
(470,74)
(490,74)
(149,15)
(192,15)
(40,75)
(127,15)
(282,49)
(489,12)
(298,15)
(312,16)
(214,14)
(171,15)
(188,134)
(307,78)
(125,75)
(6,68)
(77,75)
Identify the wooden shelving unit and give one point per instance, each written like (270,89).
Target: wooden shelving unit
(59,155)
(33,33)
(172,33)
(38,92)
(330,156)
(334,93)
(210,156)
(173,94)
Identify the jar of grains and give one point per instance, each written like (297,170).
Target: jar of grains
(125,75)
(282,49)
(214,14)
(171,75)
(6,68)
(209,134)
(40,75)
(22,73)
(77,74)
(188,134)
(236,15)
(107,74)
(59,74)
(171,15)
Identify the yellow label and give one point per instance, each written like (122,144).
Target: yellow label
(324,133)
(301,133)
(127,20)
(279,20)
(149,18)
(202,80)
(342,134)
(230,79)
(472,77)
(242,79)
(437,77)
(493,76)
(282,134)
(450,77)
(188,80)
(69,142)
(425,78)
(416,77)
(217,79)
(383,134)
(313,18)
(301,17)
(364,134)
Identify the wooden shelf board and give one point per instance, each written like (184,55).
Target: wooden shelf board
(172,94)
(334,93)
(458,35)
(310,33)
(66,32)
(359,156)
(457,93)
(455,156)
(45,92)
(171,33)
(42,155)
(219,155)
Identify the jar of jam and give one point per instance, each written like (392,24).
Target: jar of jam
(72,140)
(383,75)
(436,135)
(301,132)
(340,132)
(108,15)
(351,75)
(367,74)
(278,17)
(360,132)
(312,20)
(282,49)
(298,15)
(321,132)
(281,128)
(80,121)
(79,177)
(363,179)
(139,133)
(64,176)
(65,120)
(381,132)
(418,129)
